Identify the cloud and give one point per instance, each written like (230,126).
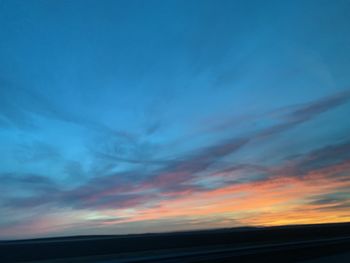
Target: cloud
(119,191)
(315,108)
(320,159)
(19,105)
(328,155)
(173,179)
(27,182)
(32,190)
(331,201)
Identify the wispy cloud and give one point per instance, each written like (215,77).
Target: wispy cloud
(166,184)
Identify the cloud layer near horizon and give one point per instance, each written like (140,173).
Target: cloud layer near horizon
(193,186)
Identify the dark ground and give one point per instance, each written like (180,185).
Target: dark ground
(273,244)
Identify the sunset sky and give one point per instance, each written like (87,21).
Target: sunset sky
(151,116)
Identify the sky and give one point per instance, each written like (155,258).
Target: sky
(121,117)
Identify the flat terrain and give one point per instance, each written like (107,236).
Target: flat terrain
(307,243)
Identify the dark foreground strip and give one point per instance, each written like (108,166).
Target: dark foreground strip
(285,252)
(288,243)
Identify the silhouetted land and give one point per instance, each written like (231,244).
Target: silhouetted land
(271,244)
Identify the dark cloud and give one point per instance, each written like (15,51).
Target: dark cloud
(337,206)
(307,112)
(315,108)
(32,190)
(289,116)
(203,158)
(327,156)
(327,201)
(339,200)
(27,182)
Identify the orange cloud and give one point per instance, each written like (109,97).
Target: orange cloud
(277,201)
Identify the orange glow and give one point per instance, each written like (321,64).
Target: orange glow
(278,201)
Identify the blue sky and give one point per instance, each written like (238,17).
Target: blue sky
(110,110)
